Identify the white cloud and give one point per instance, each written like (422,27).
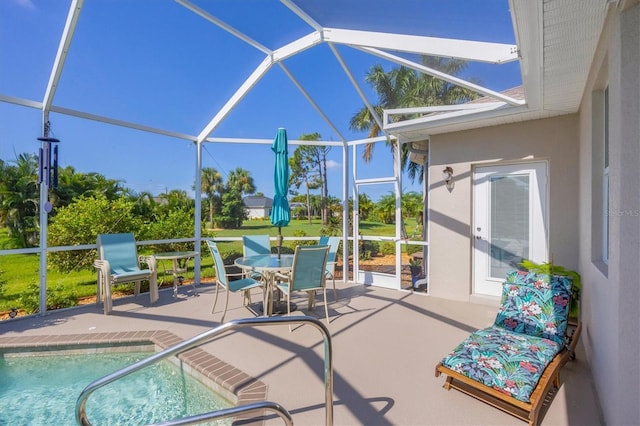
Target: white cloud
(331,164)
(26,4)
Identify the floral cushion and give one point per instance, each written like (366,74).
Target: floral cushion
(535,304)
(509,362)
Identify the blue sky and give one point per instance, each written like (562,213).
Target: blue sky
(158,64)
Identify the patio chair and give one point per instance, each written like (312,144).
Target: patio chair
(308,273)
(222,280)
(253,245)
(514,364)
(333,243)
(118,263)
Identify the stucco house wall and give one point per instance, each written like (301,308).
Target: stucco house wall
(611,289)
(611,292)
(554,140)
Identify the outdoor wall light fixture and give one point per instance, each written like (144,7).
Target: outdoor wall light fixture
(447,174)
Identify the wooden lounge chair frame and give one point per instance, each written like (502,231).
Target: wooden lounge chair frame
(541,395)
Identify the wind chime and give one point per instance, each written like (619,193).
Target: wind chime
(48,162)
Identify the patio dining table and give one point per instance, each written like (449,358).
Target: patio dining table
(268,265)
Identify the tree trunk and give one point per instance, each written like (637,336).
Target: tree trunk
(308,205)
(324,190)
(211,213)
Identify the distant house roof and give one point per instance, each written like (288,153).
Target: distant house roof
(515,93)
(255,201)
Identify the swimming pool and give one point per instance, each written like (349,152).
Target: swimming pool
(230,383)
(43,390)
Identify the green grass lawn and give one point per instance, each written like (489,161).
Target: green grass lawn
(20,273)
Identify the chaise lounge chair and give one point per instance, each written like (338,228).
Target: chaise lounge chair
(514,364)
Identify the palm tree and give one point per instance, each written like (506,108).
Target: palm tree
(211,184)
(365,206)
(412,205)
(403,87)
(176,199)
(385,208)
(144,204)
(73,184)
(20,199)
(241,179)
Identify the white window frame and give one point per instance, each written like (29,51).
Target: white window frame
(605,177)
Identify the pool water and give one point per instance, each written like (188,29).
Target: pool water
(42,390)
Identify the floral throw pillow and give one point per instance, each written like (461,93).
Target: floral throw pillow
(535,304)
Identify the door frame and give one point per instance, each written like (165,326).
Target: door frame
(538,227)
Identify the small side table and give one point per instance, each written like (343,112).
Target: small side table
(174,257)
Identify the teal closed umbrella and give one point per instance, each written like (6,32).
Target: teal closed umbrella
(280,214)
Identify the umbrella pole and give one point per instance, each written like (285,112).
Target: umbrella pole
(279,240)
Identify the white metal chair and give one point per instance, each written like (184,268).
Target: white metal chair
(222,280)
(308,273)
(333,243)
(118,263)
(255,244)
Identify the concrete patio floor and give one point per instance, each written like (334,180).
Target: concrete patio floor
(386,344)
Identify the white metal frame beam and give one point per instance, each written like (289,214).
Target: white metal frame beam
(242,91)
(270,141)
(369,42)
(228,28)
(370,140)
(495,53)
(302,14)
(20,101)
(275,56)
(93,117)
(442,76)
(61,55)
(456,117)
(296,46)
(312,102)
(355,85)
(442,109)
(121,123)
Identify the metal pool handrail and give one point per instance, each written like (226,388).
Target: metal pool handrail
(81,415)
(233,411)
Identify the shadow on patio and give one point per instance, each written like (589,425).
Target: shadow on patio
(386,344)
